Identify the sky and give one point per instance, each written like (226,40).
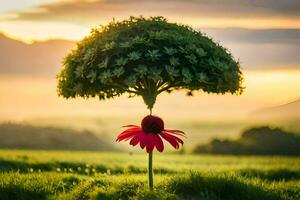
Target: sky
(271,28)
(72,19)
(29,97)
(263,34)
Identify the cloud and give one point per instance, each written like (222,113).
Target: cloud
(91,12)
(260,49)
(241,35)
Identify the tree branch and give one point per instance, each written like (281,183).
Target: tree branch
(167,88)
(125,88)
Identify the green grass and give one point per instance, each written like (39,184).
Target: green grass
(91,175)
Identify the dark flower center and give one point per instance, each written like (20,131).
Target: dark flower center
(152,124)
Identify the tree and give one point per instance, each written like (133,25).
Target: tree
(262,140)
(145,57)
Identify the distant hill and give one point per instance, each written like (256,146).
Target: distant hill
(256,141)
(43,58)
(18,136)
(289,110)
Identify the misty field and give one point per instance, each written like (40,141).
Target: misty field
(92,175)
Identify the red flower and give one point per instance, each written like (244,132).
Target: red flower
(150,134)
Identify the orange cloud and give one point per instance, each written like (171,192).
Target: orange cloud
(205,13)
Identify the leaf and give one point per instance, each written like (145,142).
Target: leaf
(182,49)
(157,35)
(217,64)
(138,40)
(200,52)
(225,66)
(170,51)
(135,55)
(227,76)
(79,71)
(88,55)
(78,87)
(118,72)
(104,63)
(125,44)
(156,70)
(121,61)
(130,80)
(109,46)
(172,72)
(92,76)
(189,93)
(211,62)
(101,96)
(141,70)
(187,76)
(174,61)
(192,47)
(153,54)
(201,77)
(192,59)
(105,77)
(155,74)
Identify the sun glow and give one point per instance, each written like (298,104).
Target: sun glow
(250,23)
(25,97)
(29,32)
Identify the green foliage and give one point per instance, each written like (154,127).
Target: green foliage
(34,186)
(216,187)
(179,187)
(256,141)
(91,175)
(146,57)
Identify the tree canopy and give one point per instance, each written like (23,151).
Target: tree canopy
(145,57)
(256,141)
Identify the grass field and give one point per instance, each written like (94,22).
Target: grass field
(91,175)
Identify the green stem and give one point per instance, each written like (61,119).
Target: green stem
(150,171)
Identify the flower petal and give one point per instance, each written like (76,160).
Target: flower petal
(130,130)
(149,141)
(135,140)
(172,130)
(158,143)
(142,141)
(173,140)
(130,125)
(149,147)
(127,134)
(175,132)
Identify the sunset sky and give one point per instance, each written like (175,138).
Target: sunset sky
(263,34)
(72,19)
